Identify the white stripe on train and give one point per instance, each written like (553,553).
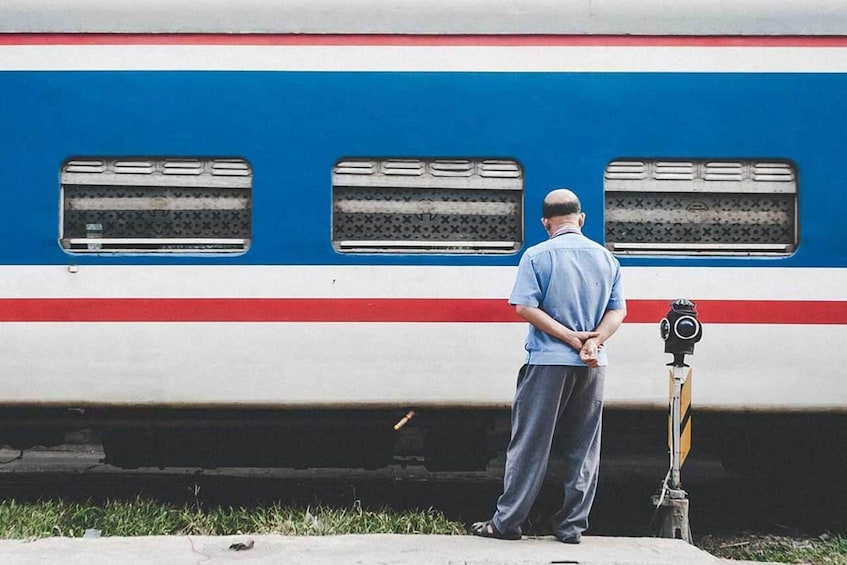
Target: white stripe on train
(330,281)
(405,58)
(736,367)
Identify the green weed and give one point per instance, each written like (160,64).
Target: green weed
(142,517)
(826,549)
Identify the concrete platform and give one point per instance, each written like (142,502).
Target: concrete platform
(353,549)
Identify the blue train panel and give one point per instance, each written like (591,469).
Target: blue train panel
(292,127)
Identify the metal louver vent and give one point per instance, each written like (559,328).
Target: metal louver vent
(402,167)
(723,171)
(156,205)
(85,166)
(673,170)
(434,174)
(230,168)
(706,207)
(427,206)
(133,167)
(500,169)
(700,176)
(192,167)
(223,173)
(626,170)
(451,168)
(355,167)
(773,172)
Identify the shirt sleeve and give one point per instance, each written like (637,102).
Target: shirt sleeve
(616,299)
(527,290)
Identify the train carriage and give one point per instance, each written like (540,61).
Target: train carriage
(286,224)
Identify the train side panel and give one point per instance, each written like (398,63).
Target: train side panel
(292,323)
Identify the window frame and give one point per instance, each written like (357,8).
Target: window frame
(702,180)
(494,176)
(161,177)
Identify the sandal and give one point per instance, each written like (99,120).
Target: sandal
(487,529)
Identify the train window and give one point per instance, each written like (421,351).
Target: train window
(701,207)
(427,206)
(138,205)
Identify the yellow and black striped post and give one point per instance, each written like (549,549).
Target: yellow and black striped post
(679,420)
(680,330)
(672,503)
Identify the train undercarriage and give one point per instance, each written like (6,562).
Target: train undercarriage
(755,444)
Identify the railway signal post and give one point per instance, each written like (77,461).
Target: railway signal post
(680,330)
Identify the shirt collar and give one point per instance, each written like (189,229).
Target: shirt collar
(565,229)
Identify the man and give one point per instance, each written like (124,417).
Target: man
(568,288)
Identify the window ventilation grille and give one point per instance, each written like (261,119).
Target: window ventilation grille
(427,206)
(156,205)
(707,207)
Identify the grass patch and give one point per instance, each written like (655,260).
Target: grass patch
(829,549)
(142,517)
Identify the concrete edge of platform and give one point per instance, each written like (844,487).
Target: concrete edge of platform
(364,549)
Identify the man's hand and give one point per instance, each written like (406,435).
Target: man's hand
(578,339)
(588,352)
(609,324)
(544,322)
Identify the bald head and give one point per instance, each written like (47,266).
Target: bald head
(560,202)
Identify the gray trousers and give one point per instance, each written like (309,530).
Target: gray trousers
(551,397)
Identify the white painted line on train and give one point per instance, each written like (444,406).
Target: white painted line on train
(405,58)
(400,281)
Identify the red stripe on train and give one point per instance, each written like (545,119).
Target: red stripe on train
(419,40)
(385,310)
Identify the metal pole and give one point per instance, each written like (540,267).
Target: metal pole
(679,376)
(672,503)
(680,330)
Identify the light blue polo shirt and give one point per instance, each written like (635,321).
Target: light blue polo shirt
(573,279)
